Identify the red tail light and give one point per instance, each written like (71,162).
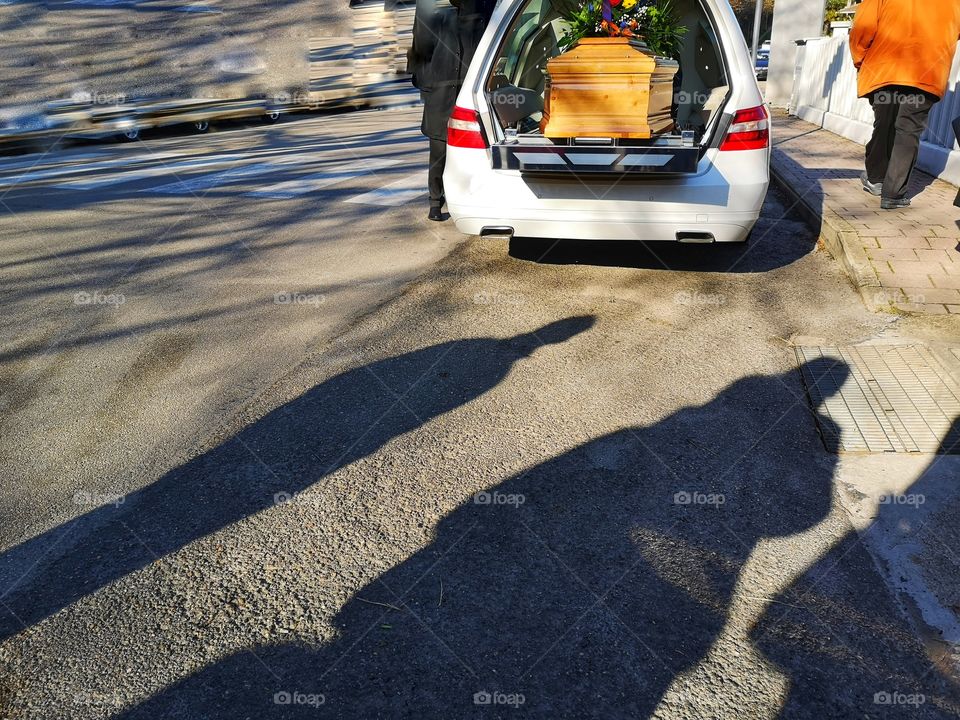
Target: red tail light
(464,131)
(750,130)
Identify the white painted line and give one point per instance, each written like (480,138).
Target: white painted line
(214,180)
(333,176)
(396,193)
(43,161)
(197,8)
(209,182)
(91,167)
(160,170)
(49,168)
(154,171)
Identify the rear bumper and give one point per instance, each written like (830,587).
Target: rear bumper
(726,229)
(724,200)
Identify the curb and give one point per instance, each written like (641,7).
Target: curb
(840,239)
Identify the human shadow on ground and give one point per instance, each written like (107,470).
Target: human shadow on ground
(579,588)
(817,629)
(336,423)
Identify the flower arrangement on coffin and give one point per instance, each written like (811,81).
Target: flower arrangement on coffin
(654,22)
(614,78)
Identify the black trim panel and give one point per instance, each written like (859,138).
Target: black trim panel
(581,159)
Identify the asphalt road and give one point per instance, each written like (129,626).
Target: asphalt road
(273,445)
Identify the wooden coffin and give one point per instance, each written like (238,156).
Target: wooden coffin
(608,87)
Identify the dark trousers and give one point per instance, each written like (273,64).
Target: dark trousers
(438,161)
(956,131)
(900,117)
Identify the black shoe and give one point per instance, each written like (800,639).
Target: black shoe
(871,187)
(436,213)
(894,203)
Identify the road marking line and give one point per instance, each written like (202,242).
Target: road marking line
(43,168)
(215,180)
(154,171)
(92,167)
(49,160)
(396,193)
(310,183)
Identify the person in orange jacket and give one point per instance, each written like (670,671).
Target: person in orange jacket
(903,51)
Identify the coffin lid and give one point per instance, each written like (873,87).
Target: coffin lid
(608,55)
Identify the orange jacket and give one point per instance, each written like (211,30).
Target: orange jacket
(905,42)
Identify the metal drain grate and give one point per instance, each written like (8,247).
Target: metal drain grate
(882,399)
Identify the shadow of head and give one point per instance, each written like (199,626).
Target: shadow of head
(824,378)
(829,374)
(950,445)
(561,331)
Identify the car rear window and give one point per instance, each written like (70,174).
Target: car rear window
(518,71)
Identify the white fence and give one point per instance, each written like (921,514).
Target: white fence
(825,93)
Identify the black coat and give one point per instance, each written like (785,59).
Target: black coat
(445,39)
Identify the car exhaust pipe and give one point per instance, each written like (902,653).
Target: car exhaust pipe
(696,238)
(496,231)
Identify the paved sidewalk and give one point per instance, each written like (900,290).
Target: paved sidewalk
(907,259)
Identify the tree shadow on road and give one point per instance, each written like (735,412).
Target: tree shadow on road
(292,448)
(579,588)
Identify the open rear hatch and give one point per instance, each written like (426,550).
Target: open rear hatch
(514,86)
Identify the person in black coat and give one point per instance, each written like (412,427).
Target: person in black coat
(445,38)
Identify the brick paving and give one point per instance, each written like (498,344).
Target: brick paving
(907,259)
